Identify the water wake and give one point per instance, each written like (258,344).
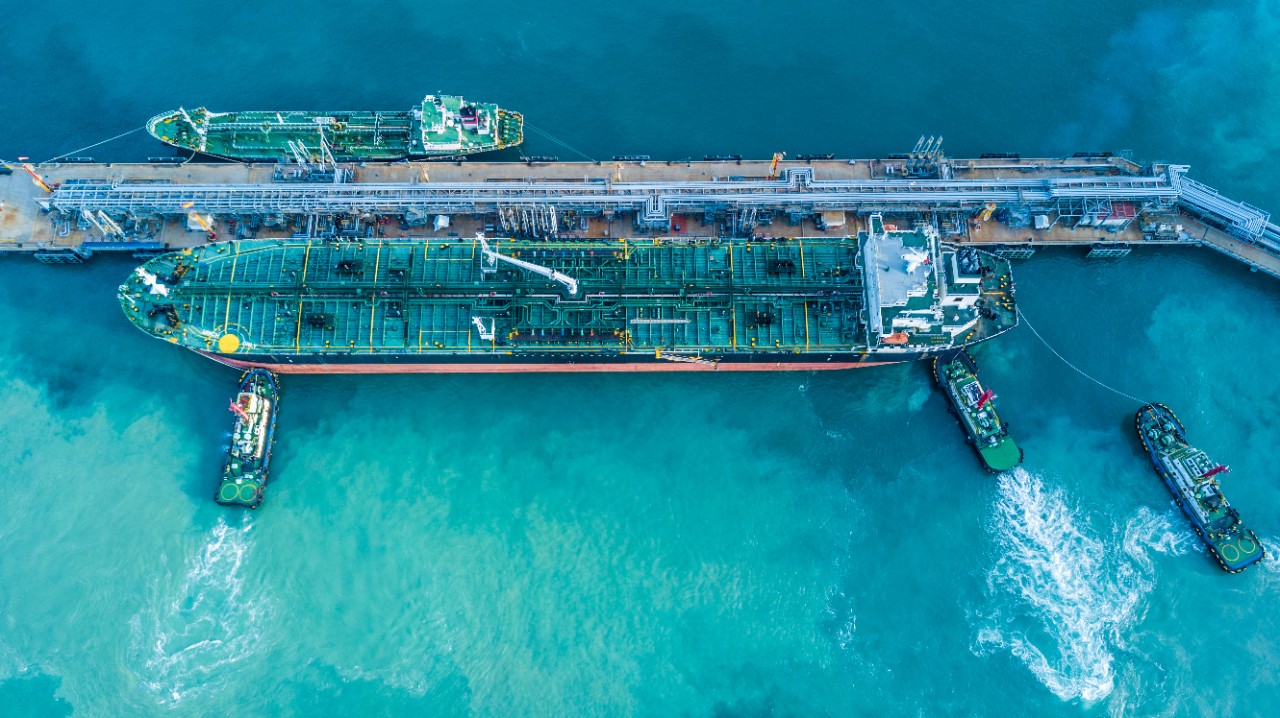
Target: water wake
(841,620)
(1074,594)
(187,639)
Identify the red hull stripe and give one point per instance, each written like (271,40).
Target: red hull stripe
(514,368)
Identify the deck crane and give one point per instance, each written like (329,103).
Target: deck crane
(204,223)
(109,227)
(773,168)
(299,151)
(326,155)
(492,257)
(486,333)
(39,181)
(112,226)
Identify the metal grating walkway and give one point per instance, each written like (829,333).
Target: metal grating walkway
(654,201)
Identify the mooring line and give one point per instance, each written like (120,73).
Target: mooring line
(1075,368)
(562,143)
(72,153)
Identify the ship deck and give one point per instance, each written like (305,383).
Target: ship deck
(423,296)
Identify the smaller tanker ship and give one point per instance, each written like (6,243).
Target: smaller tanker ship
(1192,479)
(498,304)
(442,126)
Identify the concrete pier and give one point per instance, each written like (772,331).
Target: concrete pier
(1000,202)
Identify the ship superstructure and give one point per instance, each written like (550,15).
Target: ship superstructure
(441,126)
(478,304)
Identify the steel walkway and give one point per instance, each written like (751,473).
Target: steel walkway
(653,201)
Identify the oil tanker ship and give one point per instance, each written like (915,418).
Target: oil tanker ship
(502,305)
(442,126)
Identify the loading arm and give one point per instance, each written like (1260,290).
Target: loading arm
(492,256)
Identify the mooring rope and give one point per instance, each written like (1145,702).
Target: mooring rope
(562,143)
(1075,368)
(72,153)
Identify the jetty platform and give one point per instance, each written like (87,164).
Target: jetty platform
(68,211)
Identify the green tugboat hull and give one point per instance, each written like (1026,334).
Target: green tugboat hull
(1189,475)
(441,127)
(957,377)
(244,475)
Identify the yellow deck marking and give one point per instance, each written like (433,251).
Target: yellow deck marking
(297,329)
(377,262)
(733,308)
(306,261)
(806,316)
(806,319)
(373,311)
(226,320)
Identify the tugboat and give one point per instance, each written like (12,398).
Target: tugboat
(957,376)
(1190,476)
(245,474)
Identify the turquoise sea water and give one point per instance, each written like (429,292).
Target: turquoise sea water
(720,544)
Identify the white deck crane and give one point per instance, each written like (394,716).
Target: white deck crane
(486,333)
(492,257)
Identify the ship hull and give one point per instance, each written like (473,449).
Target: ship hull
(429,305)
(509,365)
(349,136)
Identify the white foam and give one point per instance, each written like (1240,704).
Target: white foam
(840,614)
(1269,567)
(188,637)
(1074,595)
